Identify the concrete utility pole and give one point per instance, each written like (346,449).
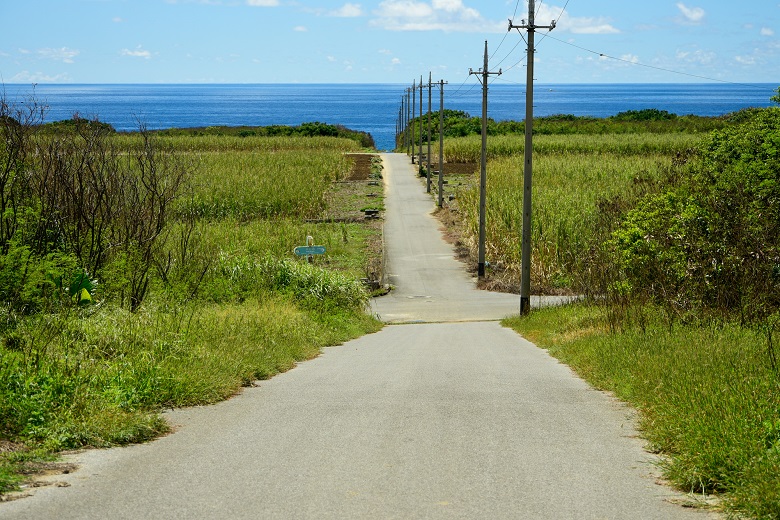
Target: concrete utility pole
(408,118)
(411,123)
(441,144)
(428,171)
(525,257)
(483,164)
(399,125)
(419,161)
(403,120)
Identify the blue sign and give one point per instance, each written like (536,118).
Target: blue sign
(309,250)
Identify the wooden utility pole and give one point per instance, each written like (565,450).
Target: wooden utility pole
(525,256)
(483,164)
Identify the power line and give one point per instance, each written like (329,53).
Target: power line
(556,21)
(639,64)
(517,5)
(509,54)
(461,86)
(539,8)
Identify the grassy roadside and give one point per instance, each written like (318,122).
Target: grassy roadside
(227,303)
(707,395)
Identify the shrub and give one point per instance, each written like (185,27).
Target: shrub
(713,241)
(647,114)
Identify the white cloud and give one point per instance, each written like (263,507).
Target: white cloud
(348,11)
(62,54)
(630,58)
(39,77)
(691,14)
(300,28)
(137,53)
(117,19)
(766,31)
(745,60)
(395,61)
(438,15)
(592,26)
(698,57)
(262,3)
(332,59)
(574,24)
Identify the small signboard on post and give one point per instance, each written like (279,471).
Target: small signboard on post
(309,250)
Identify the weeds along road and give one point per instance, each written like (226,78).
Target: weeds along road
(447,415)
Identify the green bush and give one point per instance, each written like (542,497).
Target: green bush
(711,239)
(648,114)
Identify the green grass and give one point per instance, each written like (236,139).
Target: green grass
(567,190)
(113,370)
(708,396)
(469,149)
(230,303)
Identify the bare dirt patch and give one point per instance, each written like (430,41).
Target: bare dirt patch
(460,168)
(361,166)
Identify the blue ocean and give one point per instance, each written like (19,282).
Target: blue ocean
(373,108)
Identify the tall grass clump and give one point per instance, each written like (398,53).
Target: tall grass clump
(251,185)
(469,149)
(567,189)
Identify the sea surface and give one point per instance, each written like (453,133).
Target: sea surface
(373,108)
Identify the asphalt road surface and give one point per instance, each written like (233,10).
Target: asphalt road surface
(443,415)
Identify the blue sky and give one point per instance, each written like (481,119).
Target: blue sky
(383,41)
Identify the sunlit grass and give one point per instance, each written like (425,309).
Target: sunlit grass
(708,396)
(469,149)
(566,189)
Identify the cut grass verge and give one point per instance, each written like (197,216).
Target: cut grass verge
(708,397)
(119,369)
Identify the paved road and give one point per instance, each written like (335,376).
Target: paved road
(453,419)
(430,284)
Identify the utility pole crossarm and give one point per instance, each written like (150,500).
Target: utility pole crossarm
(530,25)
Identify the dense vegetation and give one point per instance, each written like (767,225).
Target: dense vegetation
(313,129)
(152,270)
(670,227)
(458,123)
